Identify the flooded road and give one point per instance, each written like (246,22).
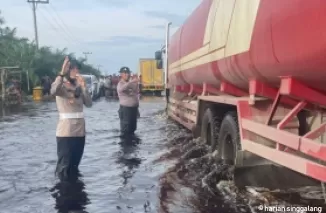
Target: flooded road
(167,171)
(115,178)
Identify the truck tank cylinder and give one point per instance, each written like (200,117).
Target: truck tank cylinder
(236,40)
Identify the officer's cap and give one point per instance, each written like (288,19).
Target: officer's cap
(124,70)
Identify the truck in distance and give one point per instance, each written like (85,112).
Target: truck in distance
(151,78)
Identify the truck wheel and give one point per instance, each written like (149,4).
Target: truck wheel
(210,127)
(229,139)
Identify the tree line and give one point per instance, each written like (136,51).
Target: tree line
(34,63)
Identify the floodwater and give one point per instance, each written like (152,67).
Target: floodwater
(167,171)
(115,178)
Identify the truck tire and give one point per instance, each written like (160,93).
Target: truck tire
(229,139)
(210,127)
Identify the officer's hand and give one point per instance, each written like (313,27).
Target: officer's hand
(65,66)
(81,81)
(135,80)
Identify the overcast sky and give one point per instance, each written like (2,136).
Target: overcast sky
(117,32)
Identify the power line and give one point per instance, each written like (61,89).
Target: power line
(64,24)
(53,27)
(62,29)
(34,3)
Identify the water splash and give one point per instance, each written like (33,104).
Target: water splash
(198,183)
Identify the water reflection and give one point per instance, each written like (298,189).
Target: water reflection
(128,157)
(6,110)
(70,195)
(16,109)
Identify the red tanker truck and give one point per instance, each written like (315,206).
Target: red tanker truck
(249,77)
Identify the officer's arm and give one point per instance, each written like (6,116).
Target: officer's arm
(87,99)
(57,87)
(134,86)
(123,87)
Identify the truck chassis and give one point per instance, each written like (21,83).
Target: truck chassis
(283,125)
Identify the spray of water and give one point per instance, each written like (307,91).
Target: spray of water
(198,183)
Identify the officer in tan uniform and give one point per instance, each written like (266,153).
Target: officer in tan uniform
(129,102)
(71,94)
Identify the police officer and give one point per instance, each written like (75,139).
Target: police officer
(71,94)
(128,97)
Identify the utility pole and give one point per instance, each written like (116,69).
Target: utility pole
(98,67)
(34,3)
(86,53)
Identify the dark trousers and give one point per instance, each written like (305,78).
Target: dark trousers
(108,92)
(102,92)
(128,120)
(70,152)
(46,91)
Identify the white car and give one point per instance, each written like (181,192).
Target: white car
(92,85)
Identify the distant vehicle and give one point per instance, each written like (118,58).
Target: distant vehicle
(92,85)
(152,79)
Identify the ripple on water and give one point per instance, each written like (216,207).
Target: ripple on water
(154,176)
(117,179)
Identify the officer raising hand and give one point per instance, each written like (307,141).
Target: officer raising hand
(71,96)
(129,102)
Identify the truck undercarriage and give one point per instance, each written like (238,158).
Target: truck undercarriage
(264,131)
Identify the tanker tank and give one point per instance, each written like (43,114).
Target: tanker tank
(236,41)
(226,66)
